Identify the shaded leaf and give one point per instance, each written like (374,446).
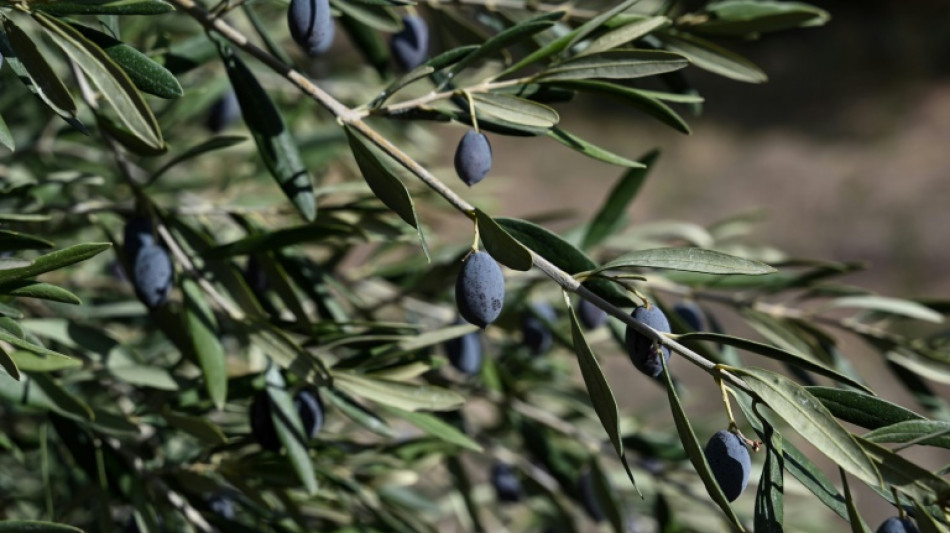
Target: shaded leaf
(561,253)
(199,427)
(6,138)
(62,401)
(907,477)
(601,397)
(358,413)
(501,245)
(290,429)
(31,67)
(773,353)
(854,517)
(384,184)
(275,143)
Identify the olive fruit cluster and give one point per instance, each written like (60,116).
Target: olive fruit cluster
(311,25)
(465,352)
(506,482)
(480,289)
(896,524)
(729,461)
(643,352)
(473,157)
(309,408)
(410,46)
(151,267)
(534,330)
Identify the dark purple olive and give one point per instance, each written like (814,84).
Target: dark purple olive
(310,410)
(590,316)
(729,461)
(480,289)
(506,482)
(534,330)
(641,349)
(473,157)
(311,25)
(410,47)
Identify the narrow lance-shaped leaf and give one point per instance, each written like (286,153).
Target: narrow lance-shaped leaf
(202,332)
(623,35)
(610,215)
(590,149)
(714,58)
(695,451)
(893,306)
(854,517)
(113,83)
(103,7)
(384,184)
(54,260)
(519,112)
(862,409)
(6,138)
(406,396)
(501,245)
(6,361)
(904,475)
(144,72)
(290,428)
(36,526)
(925,432)
(690,260)
(811,420)
(32,68)
(618,64)
(42,291)
(648,102)
(506,38)
(601,397)
(561,253)
(275,143)
(437,428)
(773,353)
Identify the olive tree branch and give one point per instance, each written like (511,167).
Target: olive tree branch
(353,119)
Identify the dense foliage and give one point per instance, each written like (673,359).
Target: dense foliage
(226,302)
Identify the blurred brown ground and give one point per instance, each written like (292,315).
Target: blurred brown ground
(847,149)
